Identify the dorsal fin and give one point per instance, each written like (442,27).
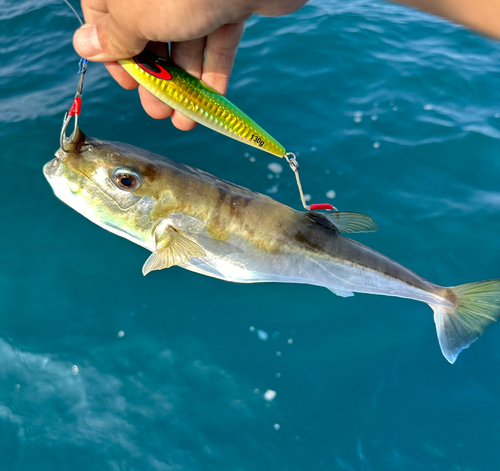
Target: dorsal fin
(346,221)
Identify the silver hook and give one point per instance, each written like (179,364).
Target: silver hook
(64,139)
(294,165)
(75,109)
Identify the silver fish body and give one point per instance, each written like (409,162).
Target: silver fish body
(189,218)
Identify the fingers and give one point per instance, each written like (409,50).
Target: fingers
(221,49)
(120,75)
(105,40)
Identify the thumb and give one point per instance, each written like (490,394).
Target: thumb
(106,41)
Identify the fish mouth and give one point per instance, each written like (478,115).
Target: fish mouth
(51,167)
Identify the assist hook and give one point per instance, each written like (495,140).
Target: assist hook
(294,165)
(74,110)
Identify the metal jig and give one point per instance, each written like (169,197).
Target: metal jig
(75,109)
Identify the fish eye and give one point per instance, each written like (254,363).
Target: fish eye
(126,179)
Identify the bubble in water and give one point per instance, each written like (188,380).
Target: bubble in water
(276,426)
(290,341)
(252,159)
(358,114)
(428,107)
(376,145)
(121,333)
(275,167)
(269,395)
(331,194)
(74,369)
(395,108)
(256,390)
(374,117)
(307,197)
(278,354)
(262,334)
(357,119)
(251,328)
(313,149)
(246,154)
(497,115)
(273,189)
(278,375)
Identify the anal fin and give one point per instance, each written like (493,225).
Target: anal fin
(172,248)
(343,293)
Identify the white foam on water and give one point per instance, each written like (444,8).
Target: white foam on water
(262,334)
(275,167)
(269,395)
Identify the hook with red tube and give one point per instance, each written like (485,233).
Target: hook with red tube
(294,165)
(75,109)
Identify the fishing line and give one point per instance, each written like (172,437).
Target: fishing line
(74,11)
(76,107)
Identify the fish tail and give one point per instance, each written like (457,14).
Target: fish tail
(476,306)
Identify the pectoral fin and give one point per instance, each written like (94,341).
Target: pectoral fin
(352,222)
(172,248)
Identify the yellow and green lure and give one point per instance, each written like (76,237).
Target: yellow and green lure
(200,102)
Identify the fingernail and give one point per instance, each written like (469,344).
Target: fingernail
(86,41)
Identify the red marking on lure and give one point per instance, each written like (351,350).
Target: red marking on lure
(152,68)
(313,207)
(75,107)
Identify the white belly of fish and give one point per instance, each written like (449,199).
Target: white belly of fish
(237,260)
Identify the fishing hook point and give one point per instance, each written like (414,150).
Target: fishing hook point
(64,139)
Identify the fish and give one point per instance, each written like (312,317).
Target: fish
(197,100)
(188,218)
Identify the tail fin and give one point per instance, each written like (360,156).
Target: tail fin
(477,305)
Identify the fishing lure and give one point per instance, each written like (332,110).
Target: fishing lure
(200,102)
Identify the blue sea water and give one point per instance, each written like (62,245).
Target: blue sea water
(394,112)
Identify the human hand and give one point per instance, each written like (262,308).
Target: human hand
(204,37)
